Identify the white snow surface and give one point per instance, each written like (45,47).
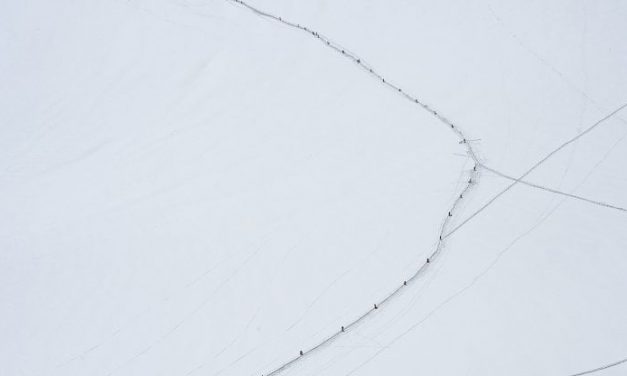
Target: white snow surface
(187,188)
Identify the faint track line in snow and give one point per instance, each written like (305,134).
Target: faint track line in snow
(135,318)
(474,173)
(492,265)
(486,270)
(537,56)
(547,64)
(153,306)
(316,299)
(595,202)
(188,316)
(346,272)
(530,170)
(601,368)
(239,336)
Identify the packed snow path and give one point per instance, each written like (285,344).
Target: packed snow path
(601,368)
(444,231)
(190,188)
(463,140)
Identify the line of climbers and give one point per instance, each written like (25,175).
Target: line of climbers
(415,100)
(427,261)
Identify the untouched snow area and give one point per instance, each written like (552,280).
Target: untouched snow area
(188,188)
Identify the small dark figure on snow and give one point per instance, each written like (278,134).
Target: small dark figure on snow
(342,329)
(301,352)
(404,283)
(428,261)
(375,307)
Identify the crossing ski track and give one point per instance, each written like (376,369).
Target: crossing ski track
(195,288)
(551,190)
(462,140)
(534,167)
(474,174)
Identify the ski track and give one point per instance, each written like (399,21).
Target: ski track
(532,168)
(474,173)
(443,234)
(174,328)
(495,261)
(463,290)
(538,186)
(239,336)
(544,62)
(447,220)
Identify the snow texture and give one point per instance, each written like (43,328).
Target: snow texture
(210,187)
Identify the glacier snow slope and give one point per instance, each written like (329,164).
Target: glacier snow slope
(190,189)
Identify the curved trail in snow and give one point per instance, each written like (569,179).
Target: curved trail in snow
(601,368)
(447,220)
